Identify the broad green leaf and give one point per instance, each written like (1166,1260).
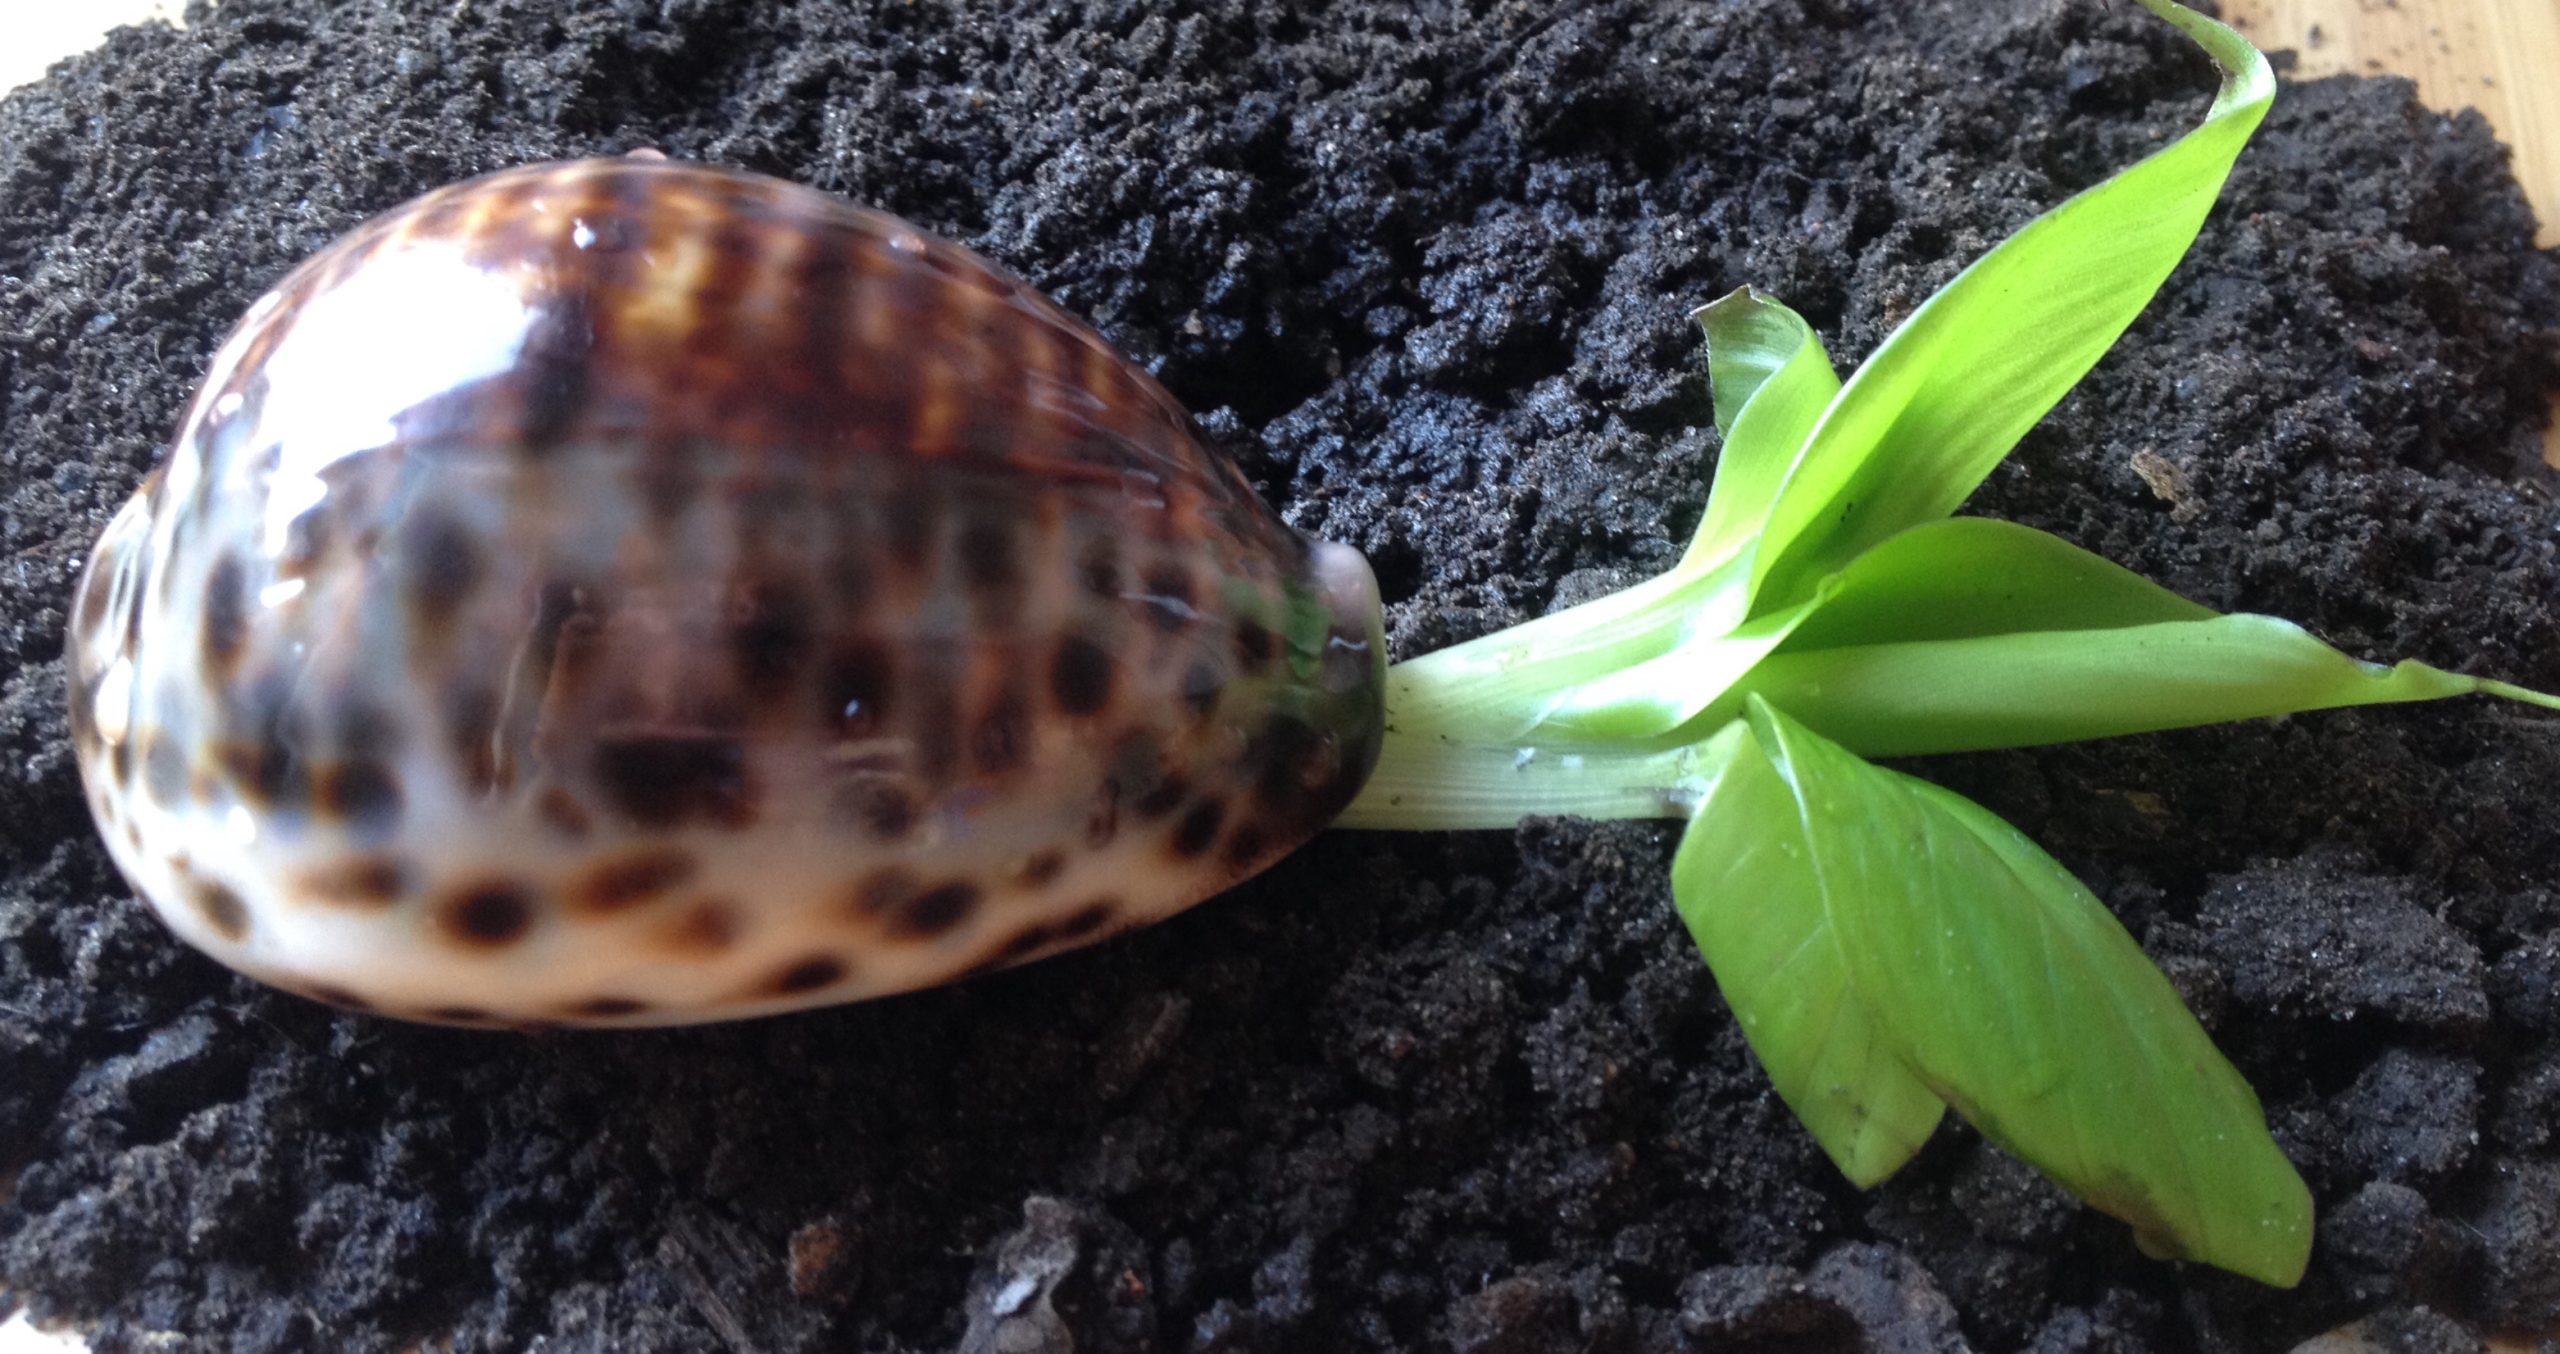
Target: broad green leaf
(1968,633)
(1947,395)
(2059,686)
(1745,887)
(1966,576)
(1772,380)
(1972,960)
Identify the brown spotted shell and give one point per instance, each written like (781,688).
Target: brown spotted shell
(633,592)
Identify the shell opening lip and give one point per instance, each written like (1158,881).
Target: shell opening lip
(1350,590)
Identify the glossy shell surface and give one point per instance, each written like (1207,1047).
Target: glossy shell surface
(627,592)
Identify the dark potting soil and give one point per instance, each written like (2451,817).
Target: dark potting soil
(1424,269)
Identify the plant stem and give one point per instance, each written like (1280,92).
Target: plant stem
(1463,749)
(2519,693)
(1431,782)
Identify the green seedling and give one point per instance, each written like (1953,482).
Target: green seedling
(1892,949)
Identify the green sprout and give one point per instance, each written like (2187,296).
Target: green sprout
(1891,949)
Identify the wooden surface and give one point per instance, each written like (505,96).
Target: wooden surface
(2499,56)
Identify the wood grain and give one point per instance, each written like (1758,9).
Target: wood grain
(2499,56)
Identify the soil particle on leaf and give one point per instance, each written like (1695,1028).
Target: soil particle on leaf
(1424,269)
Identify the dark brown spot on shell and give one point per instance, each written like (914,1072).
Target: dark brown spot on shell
(807,975)
(264,773)
(1099,569)
(364,730)
(259,748)
(876,895)
(1167,795)
(891,813)
(707,926)
(1002,738)
(1040,868)
(365,882)
(440,565)
(1089,919)
(1201,686)
(1102,822)
(772,627)
(1280,758)
(1080,676)
(1142,777)
(606,1008)
(555,367)
(991,568)
(362,794)
(859,683)
(671,780)
(1022,944)
(1246,844)
(260,705)
(1254,646)
(337,996)
(488,916)
(458,1015)
(1047,935)
(563,813)
(226,615)
(912,512)
(1166,598)
(934,911)
(624,882)
(471,730)
(222,909)
(1198,828)
(306,539)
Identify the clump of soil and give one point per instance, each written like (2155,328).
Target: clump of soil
(1424,269)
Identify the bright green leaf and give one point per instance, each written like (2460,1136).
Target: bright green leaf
(1658,695)
(1967,576)
(1947,395)
(1963,959)
(1745,886)
(1969,633)
(1772,380)
(1899,700)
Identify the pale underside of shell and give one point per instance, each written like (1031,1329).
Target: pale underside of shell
(626,592)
